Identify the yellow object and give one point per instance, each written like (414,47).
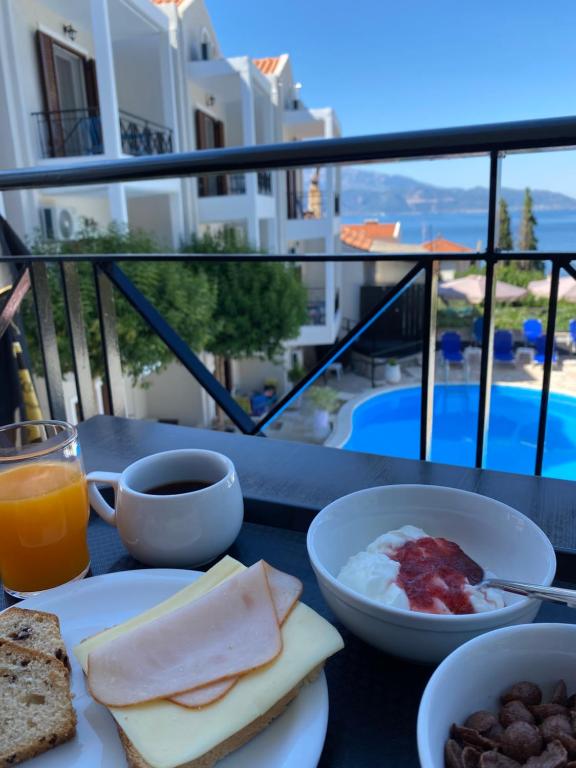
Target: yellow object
(31,406)
(167,735)
(43,519)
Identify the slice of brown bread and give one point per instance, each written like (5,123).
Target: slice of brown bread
(36,630)
(209,759)
(36,712)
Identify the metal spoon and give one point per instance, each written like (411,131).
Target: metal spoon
(554,594)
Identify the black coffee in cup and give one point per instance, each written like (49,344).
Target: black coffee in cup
(182,486)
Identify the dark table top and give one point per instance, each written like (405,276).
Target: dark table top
(374,697)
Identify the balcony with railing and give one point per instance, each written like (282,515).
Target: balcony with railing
(491,141)
(144,137)
(285,484)
(78,133)
(233,184)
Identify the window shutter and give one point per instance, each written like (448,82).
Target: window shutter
(201,144)
(91,82)
(48,72)
(54,130)
(200,130)
(221,181)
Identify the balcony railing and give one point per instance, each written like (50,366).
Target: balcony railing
(264,183)
(78,132)
(144,137)
(69,133)
(233,184)
(492,141)
(316,306)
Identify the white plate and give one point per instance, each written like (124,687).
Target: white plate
(294,740)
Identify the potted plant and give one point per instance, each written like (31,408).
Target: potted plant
(325,401)
(392,372)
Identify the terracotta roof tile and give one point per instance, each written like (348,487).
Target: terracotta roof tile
(441,245)
(362,236)
(268,65)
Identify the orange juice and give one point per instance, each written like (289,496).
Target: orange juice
(43,519)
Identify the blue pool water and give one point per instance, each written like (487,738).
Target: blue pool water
(389,424)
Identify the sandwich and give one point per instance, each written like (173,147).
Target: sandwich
(200,674)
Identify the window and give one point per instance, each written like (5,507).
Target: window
(210,135)
(205,46)
(70,123)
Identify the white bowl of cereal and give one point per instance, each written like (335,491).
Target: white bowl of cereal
(499,539)
(510,693)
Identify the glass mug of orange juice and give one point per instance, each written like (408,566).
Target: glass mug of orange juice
(43,507)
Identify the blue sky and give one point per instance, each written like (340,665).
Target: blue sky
(411,64)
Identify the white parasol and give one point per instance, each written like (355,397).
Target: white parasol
(472,288)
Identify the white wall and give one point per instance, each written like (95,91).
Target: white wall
(233,128)
(175,394)
(250,373)
(152,213)
(139,77)
(352,280)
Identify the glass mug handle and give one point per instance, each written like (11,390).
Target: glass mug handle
(106,512)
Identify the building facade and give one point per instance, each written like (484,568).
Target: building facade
(89,80)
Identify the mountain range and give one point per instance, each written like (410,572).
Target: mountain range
(373,194)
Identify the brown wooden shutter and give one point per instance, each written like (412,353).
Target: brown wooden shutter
(291,193)
(221,181)
(48,72)
(200,130)
(91,82)
(51,99)
(201,144)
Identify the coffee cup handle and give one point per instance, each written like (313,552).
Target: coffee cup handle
(106,512)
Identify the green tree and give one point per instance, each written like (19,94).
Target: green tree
(259,304)
(527,240)
(505,240)
(186,299)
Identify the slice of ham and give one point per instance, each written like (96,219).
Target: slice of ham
(227,632)
(207,694)
(285,590)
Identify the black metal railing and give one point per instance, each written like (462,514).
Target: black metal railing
(264,183)
(78,132)
(488,140)
(144,137)
(233,184)
(316,306)
(69,133)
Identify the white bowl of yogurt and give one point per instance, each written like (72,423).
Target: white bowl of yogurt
(351,539)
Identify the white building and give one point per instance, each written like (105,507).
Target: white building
(89,80)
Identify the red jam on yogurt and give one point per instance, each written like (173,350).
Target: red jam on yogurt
(409,569)
(436,571)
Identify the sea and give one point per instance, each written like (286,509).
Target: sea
(555,229)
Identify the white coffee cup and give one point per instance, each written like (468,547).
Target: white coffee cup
(183,529)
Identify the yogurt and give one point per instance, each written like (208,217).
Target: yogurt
(409,569)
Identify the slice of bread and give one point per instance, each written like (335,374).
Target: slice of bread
(36,710)
(209,759)
(35,630)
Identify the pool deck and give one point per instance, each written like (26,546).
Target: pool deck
(297,423)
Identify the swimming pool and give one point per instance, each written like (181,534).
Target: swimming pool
(389,424)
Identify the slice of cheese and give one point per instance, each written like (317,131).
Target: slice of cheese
(166,734)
